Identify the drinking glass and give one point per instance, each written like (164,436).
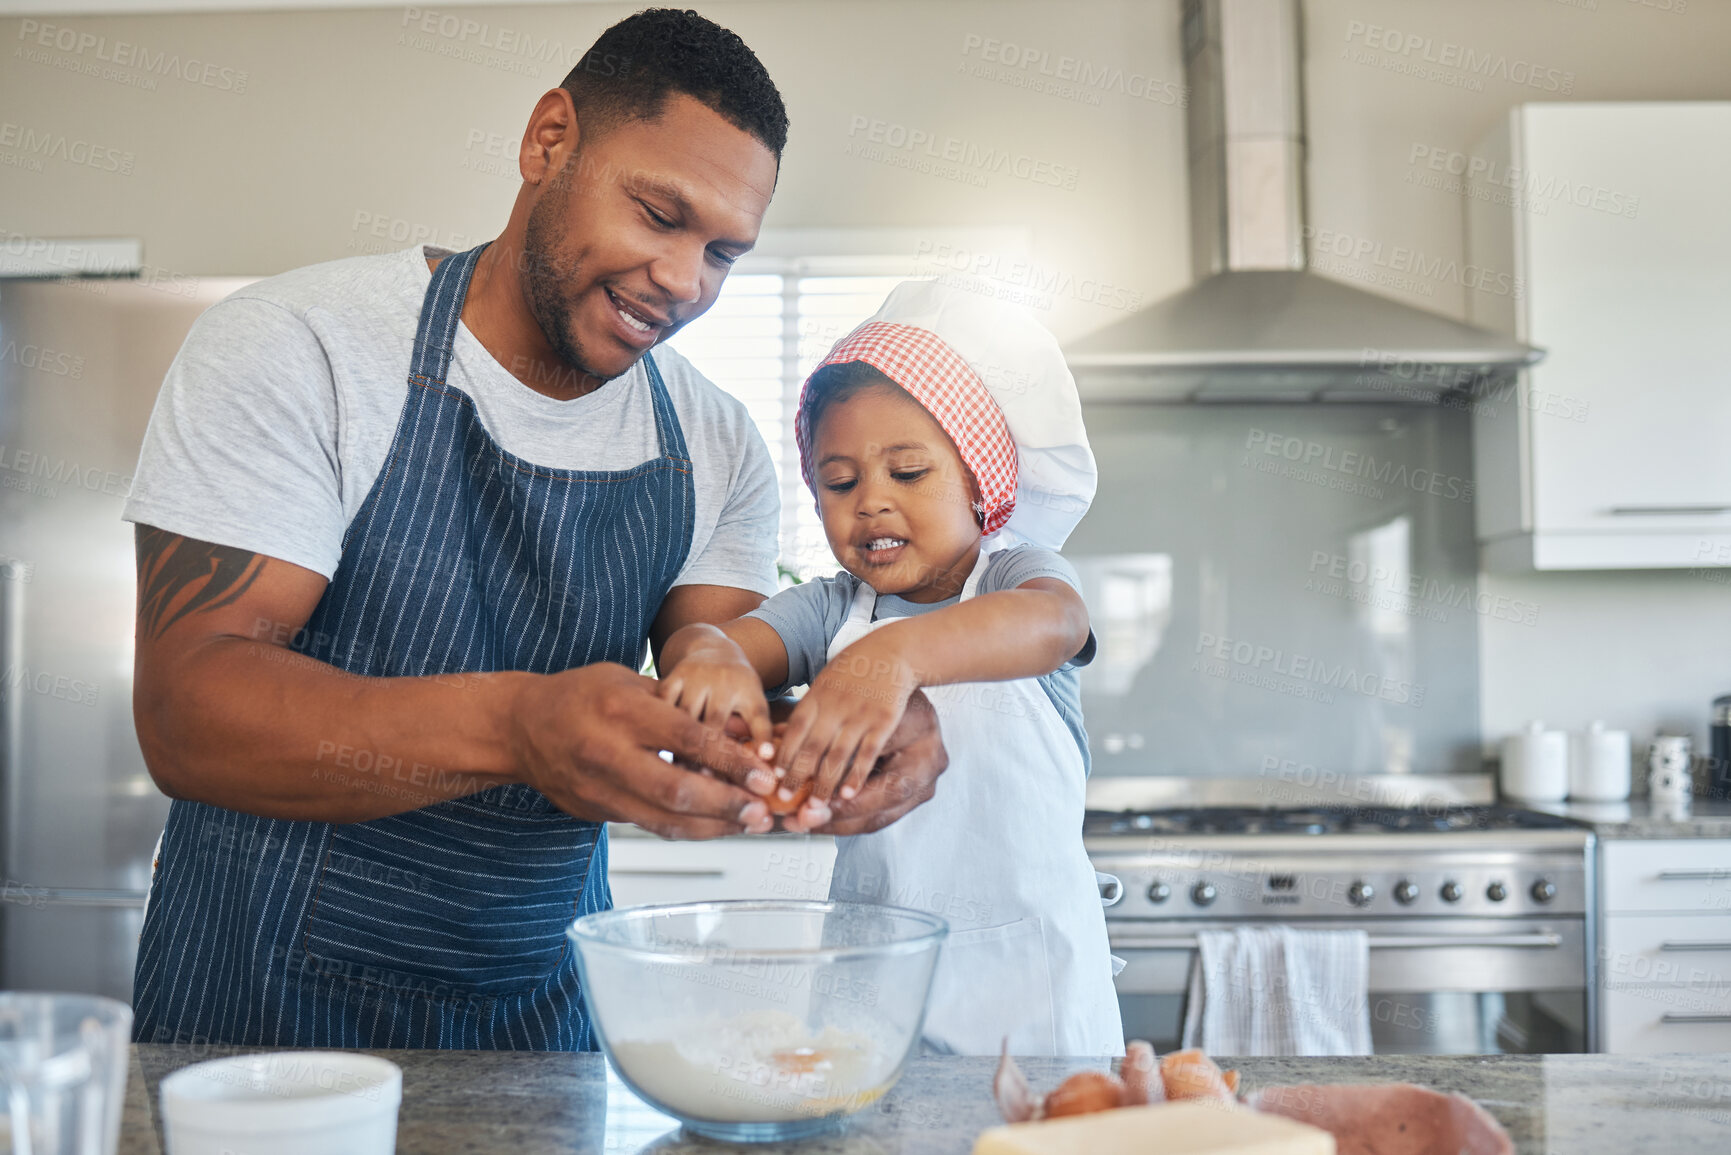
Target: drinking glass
(63,1061)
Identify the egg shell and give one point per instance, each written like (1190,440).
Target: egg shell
(778,805)
(1084,1093)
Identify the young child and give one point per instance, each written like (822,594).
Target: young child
(943,441)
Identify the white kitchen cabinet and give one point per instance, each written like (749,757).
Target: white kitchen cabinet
(1664,967)
(1599,232)
(644,869)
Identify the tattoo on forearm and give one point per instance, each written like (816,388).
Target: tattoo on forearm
(178,576)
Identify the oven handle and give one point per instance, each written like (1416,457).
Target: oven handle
(1676,1017)
(1701,875)
(1539,939)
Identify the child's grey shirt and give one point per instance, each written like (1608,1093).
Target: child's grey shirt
(807,616)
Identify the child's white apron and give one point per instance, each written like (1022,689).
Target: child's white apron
(998,853)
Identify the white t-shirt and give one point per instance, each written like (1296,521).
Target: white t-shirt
(279,411)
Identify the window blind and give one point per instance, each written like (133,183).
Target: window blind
(762,337)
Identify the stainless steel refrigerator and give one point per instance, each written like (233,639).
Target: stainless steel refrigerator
(80,365)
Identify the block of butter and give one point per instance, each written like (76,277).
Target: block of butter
(1188,1128)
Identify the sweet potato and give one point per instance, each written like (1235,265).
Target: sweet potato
(1389,1118)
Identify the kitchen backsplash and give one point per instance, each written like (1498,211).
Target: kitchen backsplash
(1644,651)
(1284,589)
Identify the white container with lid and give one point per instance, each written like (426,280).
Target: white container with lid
(284,1102)
(1599,765)
(1536,764)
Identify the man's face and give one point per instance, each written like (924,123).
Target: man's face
(633,236)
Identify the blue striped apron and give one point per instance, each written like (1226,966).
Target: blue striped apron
(441,926)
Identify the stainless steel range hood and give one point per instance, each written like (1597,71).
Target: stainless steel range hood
(1258,325)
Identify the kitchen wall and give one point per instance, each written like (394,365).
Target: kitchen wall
(1642,650)
(316,135)
(250,143)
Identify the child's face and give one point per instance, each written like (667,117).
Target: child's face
(896,500)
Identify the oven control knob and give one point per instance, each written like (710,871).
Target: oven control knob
(1202,893)
(1406,892)
(1360,893)
(1451,891)
(1544,890)
(1159,892)
(1496,892)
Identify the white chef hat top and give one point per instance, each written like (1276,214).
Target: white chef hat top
(1023,370)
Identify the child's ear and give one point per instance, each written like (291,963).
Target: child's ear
(974,501)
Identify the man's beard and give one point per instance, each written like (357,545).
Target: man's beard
(546,279)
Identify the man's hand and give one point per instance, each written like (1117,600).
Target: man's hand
(905,776)
(590,738)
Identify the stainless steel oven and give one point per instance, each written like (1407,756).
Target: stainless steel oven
(1478,917)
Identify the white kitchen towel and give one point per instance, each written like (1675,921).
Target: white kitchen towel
(1280,991)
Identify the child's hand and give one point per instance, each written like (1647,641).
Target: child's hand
(836,732)
(714,682)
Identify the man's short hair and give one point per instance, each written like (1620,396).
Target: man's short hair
(628,72)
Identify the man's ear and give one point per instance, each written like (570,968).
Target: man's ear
(550,139)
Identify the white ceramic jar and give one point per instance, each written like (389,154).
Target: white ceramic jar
(1599,765)
(1536,764)
(284,1103)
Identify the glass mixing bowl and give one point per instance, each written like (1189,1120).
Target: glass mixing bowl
(758,1021)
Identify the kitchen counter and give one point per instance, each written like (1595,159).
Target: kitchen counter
(466,1103)
(1637,818)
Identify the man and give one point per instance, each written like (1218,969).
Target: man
(396,574)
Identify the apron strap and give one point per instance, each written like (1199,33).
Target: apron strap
(440,312)
(669,437)
(865,604)
(865,599)
(972,585)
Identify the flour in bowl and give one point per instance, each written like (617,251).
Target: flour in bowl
(763,1066)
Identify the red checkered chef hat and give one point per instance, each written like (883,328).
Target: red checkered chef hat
(996,381)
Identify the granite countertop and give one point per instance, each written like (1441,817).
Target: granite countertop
(468,1102)
(1639,818)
